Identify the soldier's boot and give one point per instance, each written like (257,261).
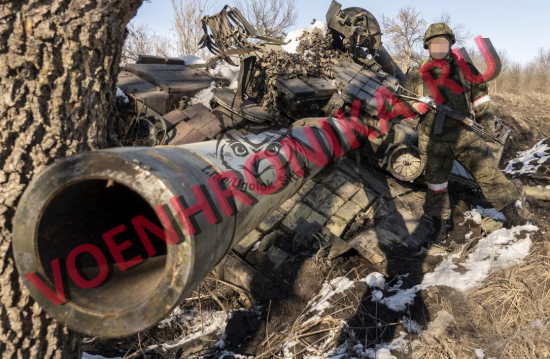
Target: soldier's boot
(430,230)
(422,235)
(443,227)
(517,214)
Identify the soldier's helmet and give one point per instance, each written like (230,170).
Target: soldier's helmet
(355,26)
(439,29)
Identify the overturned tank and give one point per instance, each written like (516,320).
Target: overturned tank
(355,65)
(109,242)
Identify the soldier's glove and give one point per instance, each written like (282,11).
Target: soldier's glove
(424,106)
(421,108)
(428,101)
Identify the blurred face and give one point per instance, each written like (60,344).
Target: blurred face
(439,47)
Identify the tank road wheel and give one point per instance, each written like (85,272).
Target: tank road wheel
(405,163)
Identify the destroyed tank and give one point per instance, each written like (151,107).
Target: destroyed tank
(175,193)
(164,87)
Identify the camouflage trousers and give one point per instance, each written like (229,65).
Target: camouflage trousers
(474,153)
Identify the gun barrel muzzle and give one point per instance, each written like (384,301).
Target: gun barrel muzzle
(110,241)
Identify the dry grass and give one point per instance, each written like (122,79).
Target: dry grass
(528,116)
(515,308)
(509,317)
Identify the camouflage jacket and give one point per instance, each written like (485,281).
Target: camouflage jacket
(475,99)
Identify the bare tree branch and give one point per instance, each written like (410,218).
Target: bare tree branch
(270,17)
(142,41)
(405,33)
(533,76)
(187,24)
(461,34)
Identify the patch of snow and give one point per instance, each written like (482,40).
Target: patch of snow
(399,283)
(528,162)
(177,315)
(346,351)
(293,37)
(376,280)
(500,250)
(480,354)
(400,344)
(230,355)
(358,349)
(412,326)
(122,95)
(212,323)
(473,215)
(205,96)
(228,72)
(320,303)
(401,300)
(383,351)
(377,295)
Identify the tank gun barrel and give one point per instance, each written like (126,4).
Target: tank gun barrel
(110,241)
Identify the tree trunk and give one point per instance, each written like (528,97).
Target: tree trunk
(58,62)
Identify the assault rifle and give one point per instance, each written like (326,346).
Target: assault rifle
(444,111)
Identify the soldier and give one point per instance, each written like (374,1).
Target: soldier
(456,142)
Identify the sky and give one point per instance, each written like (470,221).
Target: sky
(520,28)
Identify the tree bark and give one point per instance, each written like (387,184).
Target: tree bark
(58,65)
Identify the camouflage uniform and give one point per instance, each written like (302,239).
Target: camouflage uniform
(458,143)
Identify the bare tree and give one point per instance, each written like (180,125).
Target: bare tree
(58,62)
(163,46)
(270,17)
(460,31)
(405,33)
(142,41)
(532,76)
(514,78)
(137,43)
(187,23)
(541,70)
(498,84)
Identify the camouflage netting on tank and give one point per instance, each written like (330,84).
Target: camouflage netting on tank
(314,58)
